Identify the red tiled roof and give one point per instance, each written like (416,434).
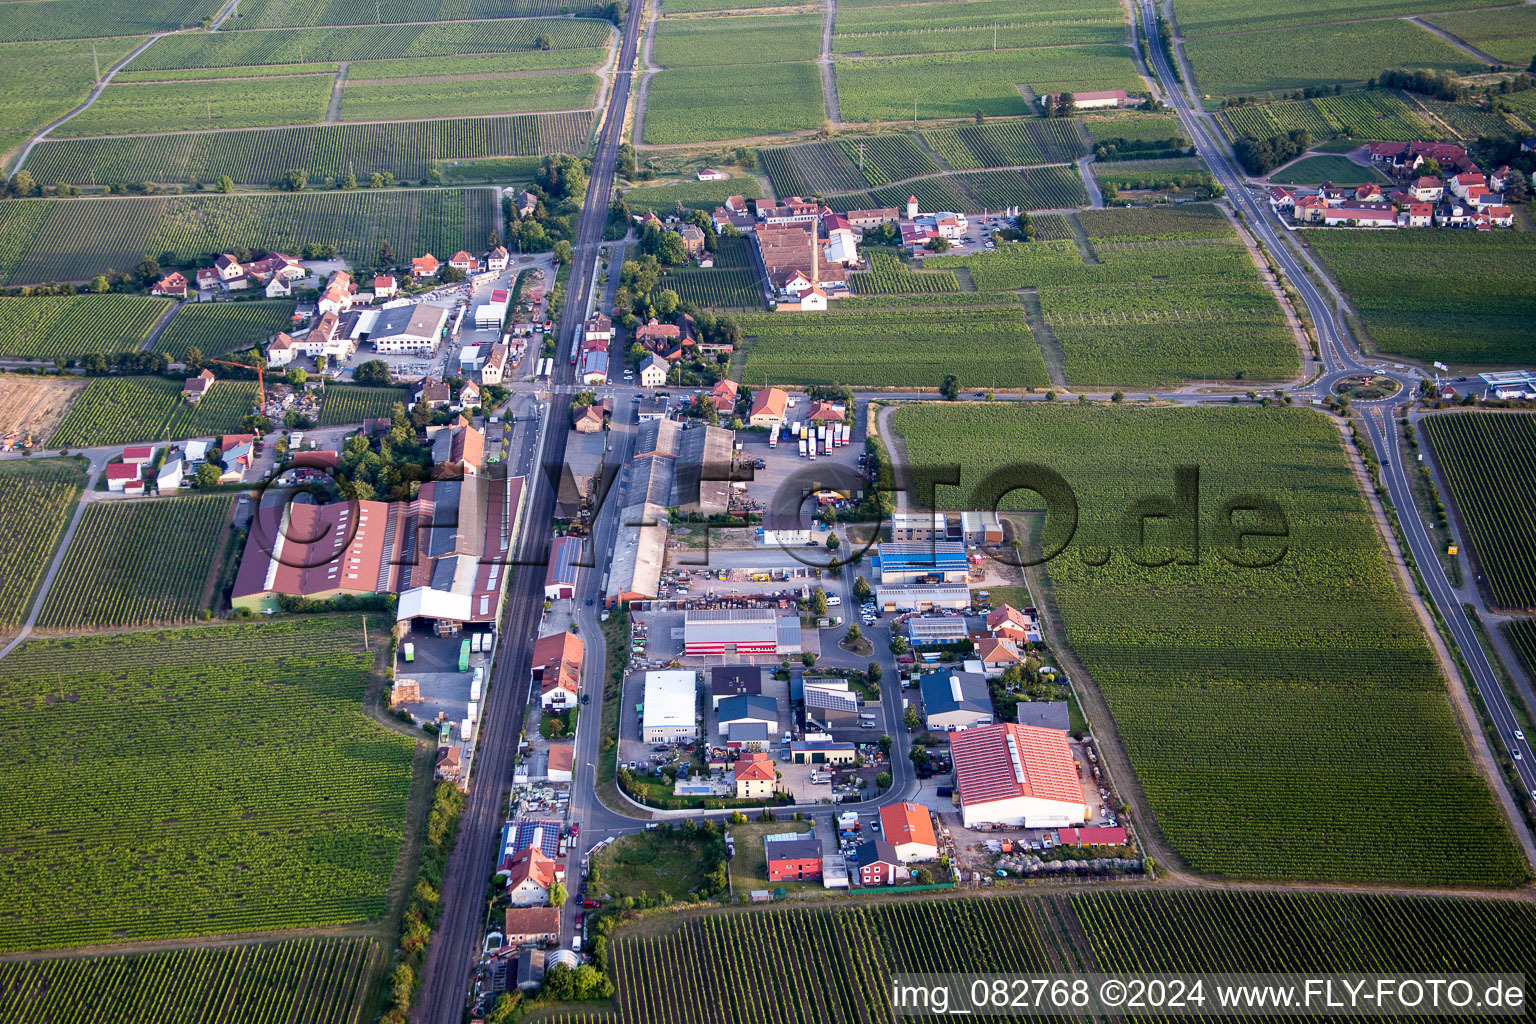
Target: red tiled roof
(754,768)
(557,662)
(907,823)
(986,768)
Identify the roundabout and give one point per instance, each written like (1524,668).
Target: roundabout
(1367,387)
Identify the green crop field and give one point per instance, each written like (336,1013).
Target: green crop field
(1522,637)
(713,104)
(976,25)
(408,150)
(363,100)
(1132,125)
(78,19)
(888,158)
(1037,188)
(350,403)
(44,81)
(368,43)
(720,287)
(1378,114)
(1174,297)
(1008,143)
(700,42)
(1504,33)
(1208,17)
(301,13)
(172,106)
(1314,170)
(814,168)
(889,276)
(1471,121)
(201,74)
(244,792)
(898,347)
(48,327)
(695,195)
(123,231)
(840,960)
(1258,62)
(702,6)
(1052,227)
(215,328)
(122,410)
(1419,298)
(478,64)
(1284,722)
(118,572)
(958,85)
(1153,174)
(19,225)
(37,497)
(316,980)
(1488,460)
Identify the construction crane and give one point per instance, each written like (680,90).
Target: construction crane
(261,381)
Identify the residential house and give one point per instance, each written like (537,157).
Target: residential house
(449,765)
(693,239)
(229,269)
(462,260)
(385,286)
(325,340)
(1369,192)
(527,203)
(825,412)
(1428,189)
(1007,621)
(1353,213)
(173,285)
(909,829)
(196,387)
(532,876)
(653,371)
(531,924)
(557,669)
(562,761)
(813,301)
(997,655)
(768,408)
(594,368)
(1461,183)
(598,330)
(710,174)
(793,856)
(878,863)
(168,478)
(125,478)
(723,395)
(1498,178)
(498,259)
(208,280)
(1281,199)
(755,777)
(1093,99)
(587,419)
(864,220)
(494,369)
(278,287)
(434,392)
(424,267)
(1453,215)
(138,455)
(469,397)
(337,297)
(1500,216)
(659,337)
(1417,215)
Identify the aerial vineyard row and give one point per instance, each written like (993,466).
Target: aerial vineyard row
(214,328)
(1256,766)
(302,13)
(53,326)
(348,403)
(122,410)
(406,149)
(37,498)
(116,573)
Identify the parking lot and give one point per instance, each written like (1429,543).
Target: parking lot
(444,690)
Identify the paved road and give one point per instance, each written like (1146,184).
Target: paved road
(106,80)
(1340,357)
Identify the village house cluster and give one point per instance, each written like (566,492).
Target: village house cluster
(274,275)
(1459,195)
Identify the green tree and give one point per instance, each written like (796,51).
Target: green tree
(832,542)
(558,894)
(922,876)
(207,475)
(449,275)
(883,780)
(861,589)
(981,116)
(950,387)
(294,181)
(855,634)
(912,720)
(885,743)
(874,672)
(899,645)
(562,252)
(671,250)
(375,372)
(544,42)
(147,271)
(224,184)
(938,243)
(818,603)
(22,185)
(99,284)
(349,180)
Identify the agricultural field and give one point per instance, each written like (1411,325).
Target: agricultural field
(316,980)
(246,791)
(1052,227)
(839,960)
(1378,114)
(702,6)
(19,225)
(351,403)
(1522,637)
(1314,170)
(408,150)
(1504,33)
(375,100)
(695,195)
(1418,298)
(1008,143)
(79,19)
(369,43)
(1250,63)
(976,25)
(1487,460)
(32,407)
(518,61)
(719,287)
(37,498)
(1256,765)
(1173,298)
(701,42)
(708,104)
(215,328)
(1208,17)
(1153,174)
(1471,121)
(123,231)
(302,13)
(123,410)
(253,72)
(958,85)
(889,276)
(1037,188)
(1132,125)
(69,326)
(56,81)
(176,106)
(899,347)
(491,169)
(118,573)
(810,169)
(888,158)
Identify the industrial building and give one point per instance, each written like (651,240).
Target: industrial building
(732,681)
(901,563)
(743,709)
(670,713)
(409,328)
(1019,775)
(688,469)
(639,549)
(556,669)
(953,701)
(560,575)
(830,704)
(740,632)
(928,597)
(974,528)
(936,630)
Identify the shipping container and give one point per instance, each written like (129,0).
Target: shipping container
(464,656)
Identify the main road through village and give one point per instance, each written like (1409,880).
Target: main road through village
(457,944)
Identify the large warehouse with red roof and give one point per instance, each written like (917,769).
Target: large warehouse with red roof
(1023,775)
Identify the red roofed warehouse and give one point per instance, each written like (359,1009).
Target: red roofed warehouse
(1017,775)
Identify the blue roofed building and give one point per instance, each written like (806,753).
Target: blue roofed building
(937,562)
